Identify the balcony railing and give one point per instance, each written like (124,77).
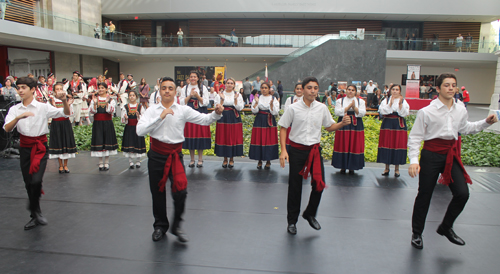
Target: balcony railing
(61,22)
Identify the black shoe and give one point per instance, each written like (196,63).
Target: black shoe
(386,173)
(312,222)
(158,234)
(292,229)
(191,164)
(181,236)
(230,166)
(267,166)
(61,171)
(39,218)
(31,224)
(131,166)
(416,241)
(137,165)
(351,172)
(224,164)
(396,174)
(259,165)
(199,165)
(66,169)
(106,167)
(342,171)
(101,167)
(450,234)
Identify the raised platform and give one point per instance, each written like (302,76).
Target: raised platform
(101,222)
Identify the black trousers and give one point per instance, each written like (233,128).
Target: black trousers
(33,182)
(431,164)
(369,99)
(156,165)
(297,158)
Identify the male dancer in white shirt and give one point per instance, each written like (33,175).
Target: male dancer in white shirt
(438,126)
(165,123)
(31,119)
(307,116)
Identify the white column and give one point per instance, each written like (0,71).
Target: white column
(494,105)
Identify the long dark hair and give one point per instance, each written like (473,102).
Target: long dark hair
(389,93)
(200,83)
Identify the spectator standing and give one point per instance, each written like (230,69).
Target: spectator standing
(112,29)
(466,97)
(8,89)
(3,6)
(334,88)
(468,42)
(179,89)
(363,87)
(431,91)
(273,87)
(247,89)
(211,98)
(423,91)
(459,40)
(180,36)
(233,37)
(205,81)
(97,31)
(106,31)
(144,93)
(280,91)
(256,84)
(369,91)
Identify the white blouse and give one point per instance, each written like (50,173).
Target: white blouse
(205,96)
(295,100)
(385,109)
(110,109)
(265,104)
(340,107)
(125,114)
(229,100)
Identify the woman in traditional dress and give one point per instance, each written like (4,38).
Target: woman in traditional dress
(290,100)
(62,140)
(133,146)
(229,129)
(104,141)
(264,142)
(197,137)
(393,138)
(349,146)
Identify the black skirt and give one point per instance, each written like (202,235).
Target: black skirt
(62,140)
(104,141)
(132,143)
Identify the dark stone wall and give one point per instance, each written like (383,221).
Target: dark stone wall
(336,60)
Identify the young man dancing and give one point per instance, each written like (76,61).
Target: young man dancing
(31,119)
(304,155)
(165,123)
(438,125)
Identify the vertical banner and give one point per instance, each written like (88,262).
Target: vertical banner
(219,74)
(413,81)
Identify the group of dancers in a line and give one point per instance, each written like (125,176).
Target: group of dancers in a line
(173,126)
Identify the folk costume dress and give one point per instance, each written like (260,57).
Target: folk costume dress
(393,138)
(290,101)
(104,141)
(79,88)
(133,146)
(264,141)
(197,136)
(62,140)
(85,106)
(229,129)
(349,146)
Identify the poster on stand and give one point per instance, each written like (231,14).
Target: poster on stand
(412,89)
(413,72)
(342,85)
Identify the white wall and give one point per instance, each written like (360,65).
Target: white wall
(402,8)
(66,63)
(154,70)
(479,82)
(92,66)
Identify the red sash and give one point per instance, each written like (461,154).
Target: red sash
(236,113)
(195,103)
(401,119)
(173,164)
(102,117)
(38,150)
(314,161)
(450,148)
(60,119)
(269,117)
(132,122)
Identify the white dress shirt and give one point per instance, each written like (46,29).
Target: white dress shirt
(307,122)
(171,129)
(110,109)
(265,104)
(37,125)
(122,86)
(385,109)
(205,96)
(289,100)
(229,100)
(370,89)
(437,121)
(340,107)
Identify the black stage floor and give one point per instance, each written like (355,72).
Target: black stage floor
(101,222)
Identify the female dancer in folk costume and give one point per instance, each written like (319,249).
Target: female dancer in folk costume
(290,100)
(198,137)
(264,142)
(133,146)
(393,139)
(229,130)
(84,114)
(62,140)
(104,141)
(349,146)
